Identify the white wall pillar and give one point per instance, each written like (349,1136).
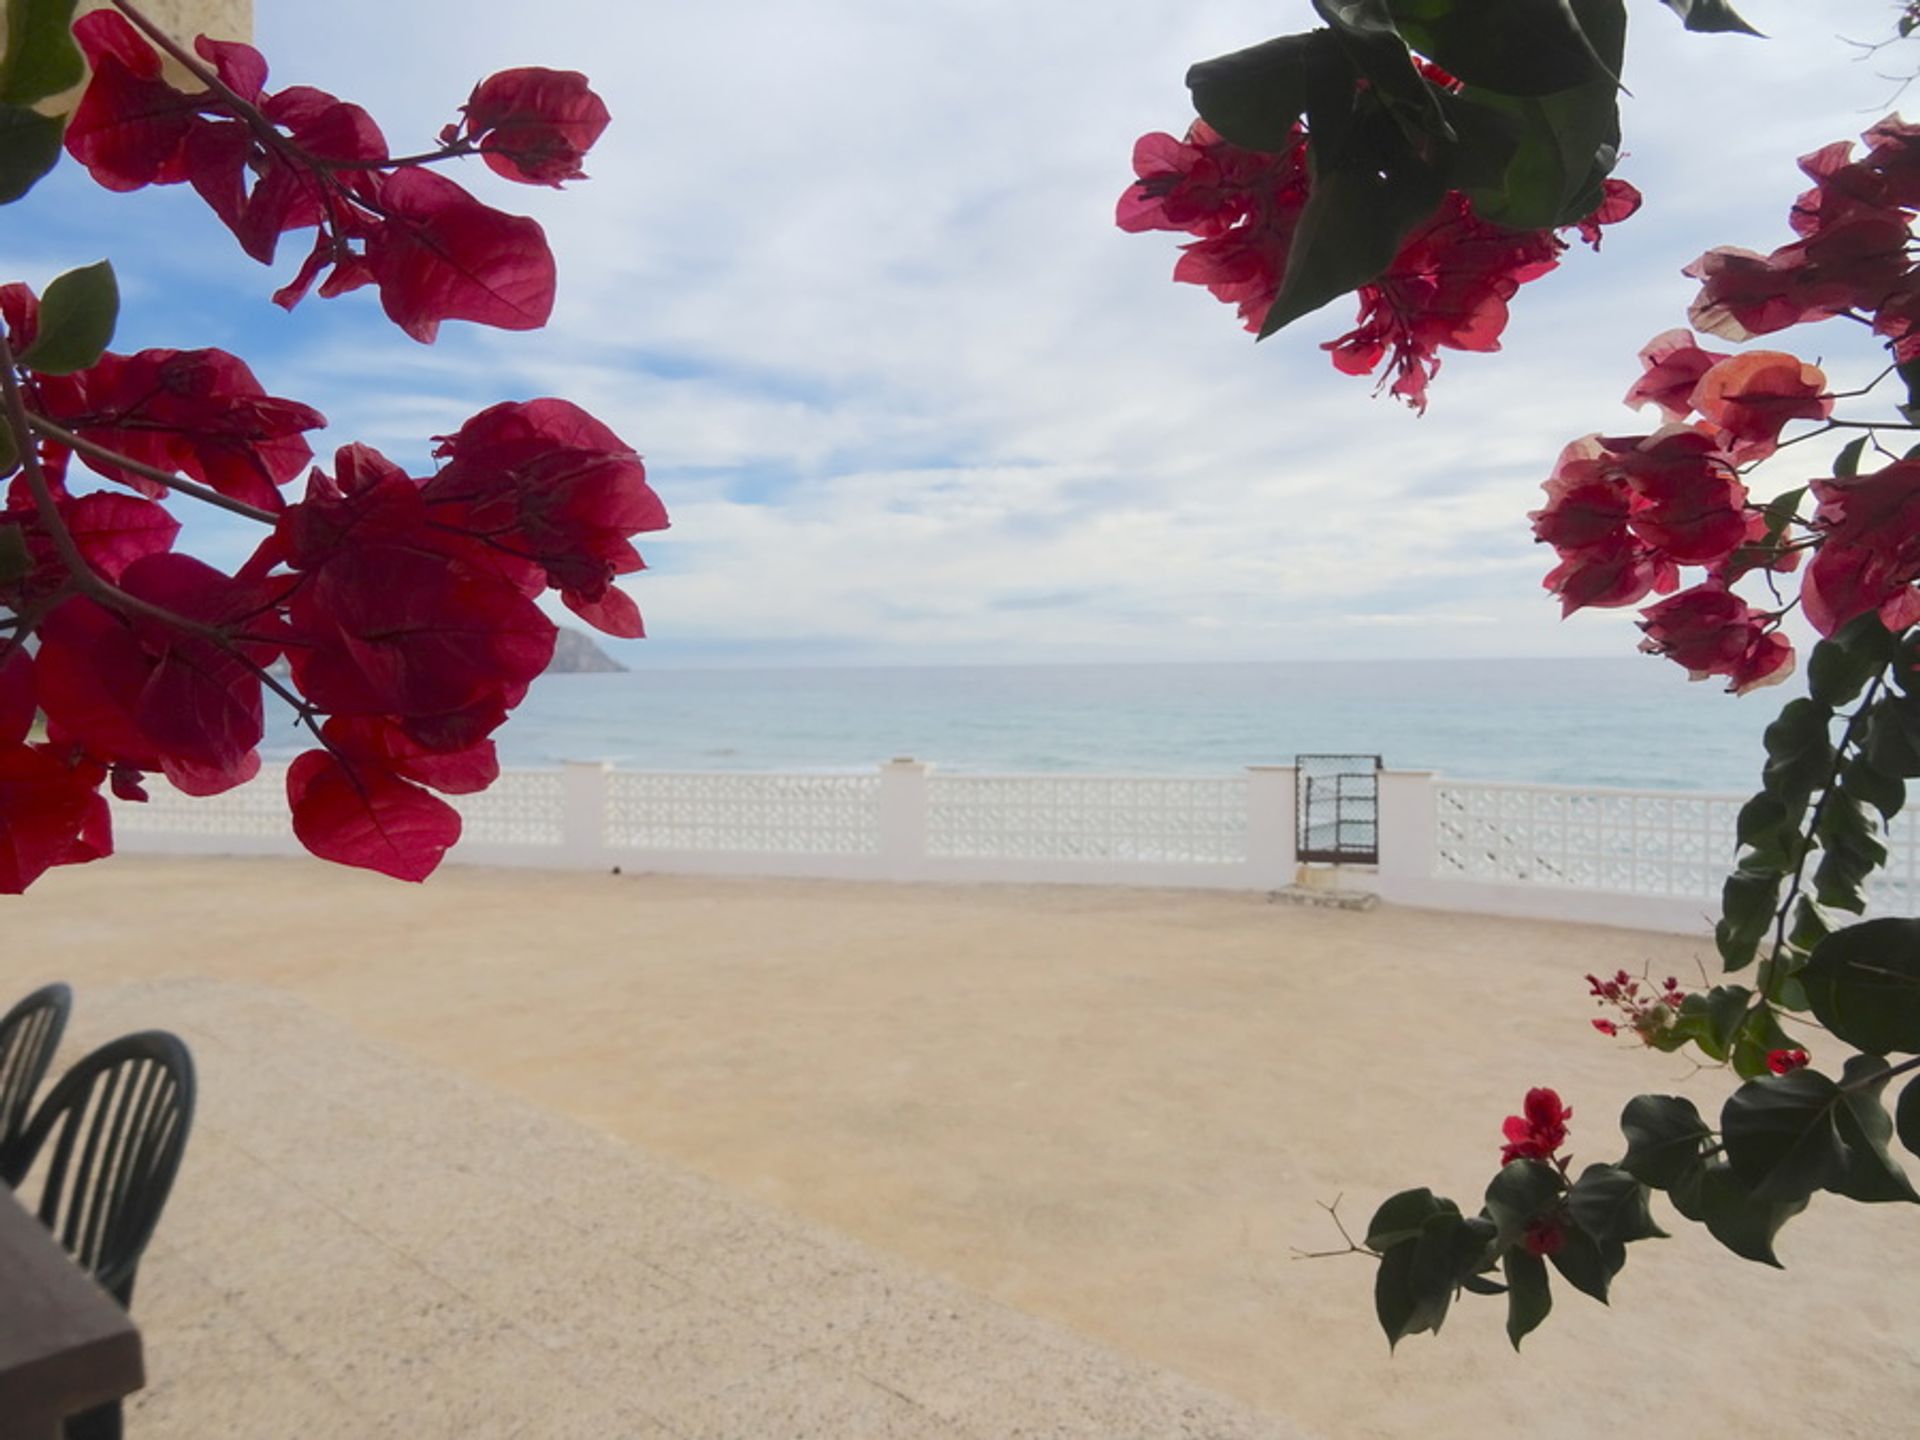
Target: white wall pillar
(583,812)
(903,818)
(1271,856)
(1408,824)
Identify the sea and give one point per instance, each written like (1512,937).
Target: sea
(1624,721)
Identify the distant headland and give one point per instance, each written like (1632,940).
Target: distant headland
(575,653)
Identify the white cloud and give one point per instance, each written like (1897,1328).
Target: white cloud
(846,274)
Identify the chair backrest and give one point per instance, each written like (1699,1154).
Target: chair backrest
(29,1034)
(106,1143)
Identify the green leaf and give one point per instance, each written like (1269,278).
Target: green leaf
(1799,752)
(1480,1285)
(1254,97)
(1872,1174)
(1567,142)
(1393,1302)
(1529,1294)
(1906,1117)
(9,452)
(1610,1204)
(1356,215)
(1365,29)
(1664,1135)
(1863,984)
(77,317)
(1588,1264)
(1748,902)
(16,562)
(1840,667)
(1769,833)
(1450,1248)
(1864,783)
(1522,1191)
(1404,1216)
(1846,464)
(1714,1196)
(1710,16)
(1515,47)
(29,148)
(1851,850)
(1758,1037)
(41,58)
(1893,734)
(1781,1136)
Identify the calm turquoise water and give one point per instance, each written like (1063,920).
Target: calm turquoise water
(1627,721)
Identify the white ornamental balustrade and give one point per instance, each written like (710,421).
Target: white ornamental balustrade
(744,813)
(1133,819)
(1634,842)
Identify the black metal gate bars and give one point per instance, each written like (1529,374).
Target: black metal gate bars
(1337,809)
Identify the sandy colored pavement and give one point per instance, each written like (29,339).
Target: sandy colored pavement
(1116,1110)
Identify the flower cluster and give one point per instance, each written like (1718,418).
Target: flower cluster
(404,608)
(299,158)
(1539,1131)
(1644,1011)
(1785,1062)
(1447,287)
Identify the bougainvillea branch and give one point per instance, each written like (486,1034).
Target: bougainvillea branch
(404,607)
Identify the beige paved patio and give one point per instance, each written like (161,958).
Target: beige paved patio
(1114,1111)
(362,1246)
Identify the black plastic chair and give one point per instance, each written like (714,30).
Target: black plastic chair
(29,1034)
(110,1133)
(106,1144)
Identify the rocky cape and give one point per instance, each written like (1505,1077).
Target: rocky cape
(575,653)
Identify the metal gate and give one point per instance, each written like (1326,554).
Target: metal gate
(1337,809)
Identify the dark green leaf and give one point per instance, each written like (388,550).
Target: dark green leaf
(1522,1191)
(1664,1135)
(29,148)
(1254,97)
(1529,1294)
(1610,1204)
(77,316)
(9,452)
(1351,227)
(1588,1264)
(1866,784)
(1481,1285)
(1710,15)
(41,58)
(1851,850)
(1393,1302)
(1799,752)
(1714,1196)
(1770,833)
(1906,1117)
(1748,902)
(1872,1174)
(1515,47)
(16,562)
(1863,984)
(1893,734)
(1365,29)
(1759,1036)
(1840,667)
(1846,464)
(1404,1216)
(1781,1135)
(1450,1248)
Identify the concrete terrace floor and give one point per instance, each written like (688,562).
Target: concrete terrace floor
(1115,1112)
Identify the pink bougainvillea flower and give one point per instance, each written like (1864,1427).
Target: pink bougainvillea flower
(1750,397)
(1869,556)
(51,813)
(1709,631)
(359,813)
(533,125)
(1538,1132)
(1785,1062)
(1605,1027)
(1672,364)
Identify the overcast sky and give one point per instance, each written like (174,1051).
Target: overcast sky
(846,274)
